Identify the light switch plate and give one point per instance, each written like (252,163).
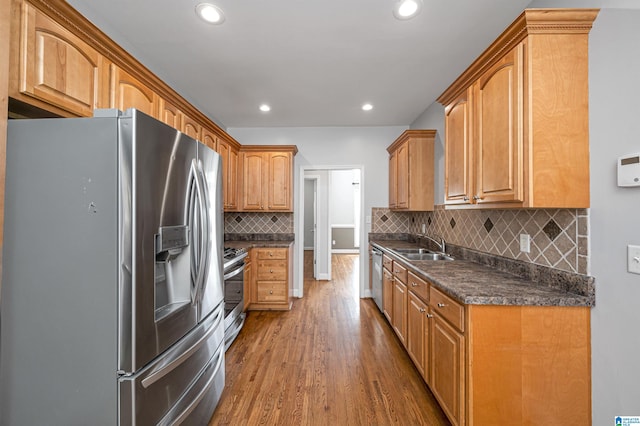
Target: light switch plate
(633,259)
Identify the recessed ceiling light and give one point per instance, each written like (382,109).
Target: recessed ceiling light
(407,9)
(210,13)
(265,108)
(367,107)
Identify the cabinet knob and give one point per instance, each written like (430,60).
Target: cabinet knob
(271,271)
(441,305)
(466,198)
(429,316)
(422,310)
(413,284)
(271,253)
(477,197)
(270,291)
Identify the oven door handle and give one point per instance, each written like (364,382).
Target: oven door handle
(234,272)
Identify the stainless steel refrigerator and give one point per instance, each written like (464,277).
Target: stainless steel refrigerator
(111,305)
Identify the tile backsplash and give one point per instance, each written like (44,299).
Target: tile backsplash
(258,223)
(559,237)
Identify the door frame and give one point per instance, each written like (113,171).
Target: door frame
(298,290)
(313,178)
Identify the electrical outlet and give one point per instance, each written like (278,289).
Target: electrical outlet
(525,243)
(424,229)
(633,259)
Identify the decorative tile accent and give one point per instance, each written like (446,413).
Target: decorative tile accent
(258,223)
(488,225)
(552,229)
(384,218)
(566,247)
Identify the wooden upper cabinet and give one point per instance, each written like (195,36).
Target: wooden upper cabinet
(170,114)
(229,154)
(129,92)
(279,182)
(267,178)
(208,138)
(458,150)
(191,128)
(499,151)
(52,66)
(393,182)
(411,165)
(517,120)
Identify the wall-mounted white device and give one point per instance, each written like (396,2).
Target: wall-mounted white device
(629,170)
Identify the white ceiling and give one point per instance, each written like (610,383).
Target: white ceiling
(314,61)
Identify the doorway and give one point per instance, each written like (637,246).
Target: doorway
(334,194)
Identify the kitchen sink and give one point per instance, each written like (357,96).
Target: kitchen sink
(426,256)
(403,251)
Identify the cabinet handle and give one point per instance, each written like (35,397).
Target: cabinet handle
(466,198)
(271,271)
(429,316)
(271,254)
(414,284)
(270,291)
(477,197)
(422,310)
(441,305)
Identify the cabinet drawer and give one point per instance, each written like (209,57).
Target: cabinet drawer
(272,270)
(419,287)
(267,254)
(447,308)
(387,262)
(400,272)
(272,291)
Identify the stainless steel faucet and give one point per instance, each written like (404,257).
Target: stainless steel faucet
(441,243)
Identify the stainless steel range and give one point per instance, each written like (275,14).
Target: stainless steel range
(233,270)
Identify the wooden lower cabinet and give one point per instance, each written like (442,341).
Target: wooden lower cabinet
(417,333)
(487,363)
(387,293)
(399,315)
(447,368)
(270,279)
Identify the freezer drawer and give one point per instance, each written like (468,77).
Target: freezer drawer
(181,384)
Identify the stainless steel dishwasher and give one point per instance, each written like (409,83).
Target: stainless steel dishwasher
(376,278)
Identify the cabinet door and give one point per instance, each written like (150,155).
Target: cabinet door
(191,127)
(393,179)
(253,172)
(59,68)
(400,310)
(402,177)
(458,150)
(230,172)
(208,138)
(499,150)
(387,294)
(447,373)
(279,181)
(129,92)
(170,114)
(416,325)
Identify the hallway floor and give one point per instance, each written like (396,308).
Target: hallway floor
(332,360)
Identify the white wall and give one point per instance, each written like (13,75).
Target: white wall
(334,146)
(614,67)
(433,119)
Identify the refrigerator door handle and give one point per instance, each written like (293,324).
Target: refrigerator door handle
(171,365)
(203,237)
(206,255)
(168,420)
(199,231)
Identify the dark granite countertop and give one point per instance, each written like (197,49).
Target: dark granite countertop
(473,283)
(257,244)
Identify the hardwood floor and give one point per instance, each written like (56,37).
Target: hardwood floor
(332,360)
